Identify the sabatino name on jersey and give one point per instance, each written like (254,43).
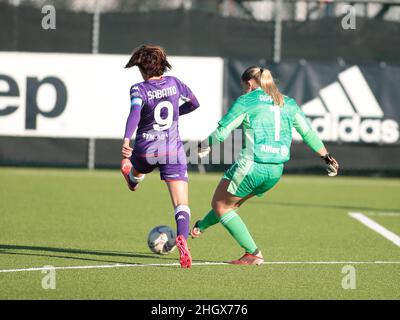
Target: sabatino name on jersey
(349,112)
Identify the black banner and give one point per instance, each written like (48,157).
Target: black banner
(46,152)
(21,30)
(326,39)
(187,33)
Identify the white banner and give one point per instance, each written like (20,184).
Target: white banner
(83,95)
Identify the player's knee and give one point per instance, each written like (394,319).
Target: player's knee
(219,208)
(237,205)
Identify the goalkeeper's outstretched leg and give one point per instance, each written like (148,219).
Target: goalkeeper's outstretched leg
(224,206)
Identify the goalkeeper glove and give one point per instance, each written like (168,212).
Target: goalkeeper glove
(332,166)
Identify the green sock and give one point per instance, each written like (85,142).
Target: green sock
(209,220)
(236,227)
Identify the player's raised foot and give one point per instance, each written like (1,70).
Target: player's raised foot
(126,167)
(185,257)
(249,259)
(195,232)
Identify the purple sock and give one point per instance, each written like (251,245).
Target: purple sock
(182,218)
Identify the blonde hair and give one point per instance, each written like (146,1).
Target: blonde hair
(264,79)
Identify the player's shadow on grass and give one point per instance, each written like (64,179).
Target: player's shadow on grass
(65,253)
(326,206)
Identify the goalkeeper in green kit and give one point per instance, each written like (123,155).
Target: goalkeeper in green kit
(267,118)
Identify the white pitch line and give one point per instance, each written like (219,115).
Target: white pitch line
(376,227)
(194,264)
(383,214)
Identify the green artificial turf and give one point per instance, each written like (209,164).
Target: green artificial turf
(65,218)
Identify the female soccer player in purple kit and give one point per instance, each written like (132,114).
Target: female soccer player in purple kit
(156,104)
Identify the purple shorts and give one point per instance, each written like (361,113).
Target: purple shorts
(168,172)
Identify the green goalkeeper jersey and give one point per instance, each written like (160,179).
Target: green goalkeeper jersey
(267,127)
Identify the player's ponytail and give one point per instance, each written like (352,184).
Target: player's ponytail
(265,80)
(267,83)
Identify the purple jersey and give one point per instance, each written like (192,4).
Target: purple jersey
(161,103)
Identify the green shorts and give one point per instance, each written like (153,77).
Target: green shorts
(249,177)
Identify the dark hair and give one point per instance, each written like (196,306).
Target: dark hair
(264,79)
(151,59)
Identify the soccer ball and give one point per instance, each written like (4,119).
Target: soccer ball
(161,240)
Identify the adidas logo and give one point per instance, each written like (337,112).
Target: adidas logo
(348,111)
